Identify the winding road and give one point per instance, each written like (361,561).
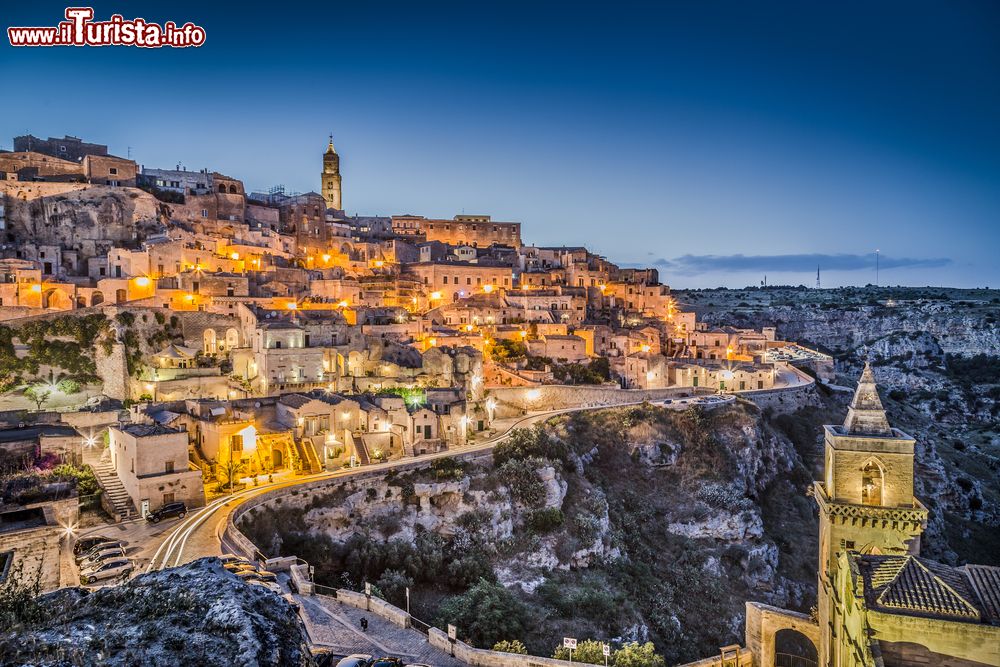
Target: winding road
(199,534)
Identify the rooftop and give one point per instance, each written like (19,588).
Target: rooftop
(915,586)
(147,430)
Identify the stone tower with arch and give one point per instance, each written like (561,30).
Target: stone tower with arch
(866,501)
(331,177)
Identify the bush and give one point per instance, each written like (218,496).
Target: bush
(588,651)
(529,443)
(635,654)
(545,520)
(393,583)
(486,614)
(520,476)
(513,646)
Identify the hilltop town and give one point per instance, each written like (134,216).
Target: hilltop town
(190,369)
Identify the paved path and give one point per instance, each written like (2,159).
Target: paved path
(200,533)
(337,626)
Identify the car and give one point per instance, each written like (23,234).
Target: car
(274,588)
(178,510)
(97,548)
(355,660)
(240,567)
(85,544)
(100,557)
(256,575)
(110,569)
(233,558)
(386,662)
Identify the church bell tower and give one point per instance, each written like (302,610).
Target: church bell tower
(866,501)
(331,177)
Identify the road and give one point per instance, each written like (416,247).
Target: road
(199,534)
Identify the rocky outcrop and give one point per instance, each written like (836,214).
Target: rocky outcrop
(194,614)
(953,327)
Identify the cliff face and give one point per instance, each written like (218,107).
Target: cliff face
(639,523)
(963,328)
(937,363)
(88,218)
(194,614)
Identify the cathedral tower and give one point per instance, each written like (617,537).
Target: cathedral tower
(866,501)
(331,177)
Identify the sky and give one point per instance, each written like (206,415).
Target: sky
(718,141)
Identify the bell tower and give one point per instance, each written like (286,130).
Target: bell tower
(330,178)
(866,501)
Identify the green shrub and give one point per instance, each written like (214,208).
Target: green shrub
(512,646)
(486,614)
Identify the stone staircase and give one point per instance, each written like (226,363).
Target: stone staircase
(115,499)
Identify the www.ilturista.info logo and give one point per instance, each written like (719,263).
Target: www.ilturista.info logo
(79,29)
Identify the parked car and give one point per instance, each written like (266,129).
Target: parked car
(274,588)
(85,544)
(100,557)
(178,510)
(233,558)
(237,566)
(386,662)
(97,548)
(110,569)
(256,575)
(356,660)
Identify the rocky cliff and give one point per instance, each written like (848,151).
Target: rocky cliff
(197,614)
(638,523)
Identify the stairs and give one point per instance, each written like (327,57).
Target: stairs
(115,499)
(307,454)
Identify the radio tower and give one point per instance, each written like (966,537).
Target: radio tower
(817,276)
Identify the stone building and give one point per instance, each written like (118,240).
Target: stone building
(472,230)
(880,604)
(67,148)
(151,461)
(331,178)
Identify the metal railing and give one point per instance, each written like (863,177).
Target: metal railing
(790,660)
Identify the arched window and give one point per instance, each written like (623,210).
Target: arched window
(872,483)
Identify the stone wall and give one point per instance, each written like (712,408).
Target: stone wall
(516,400)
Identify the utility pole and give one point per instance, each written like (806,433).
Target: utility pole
(876,266)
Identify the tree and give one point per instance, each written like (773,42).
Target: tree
(635,654)
(232,469)
(589,651)
(39,393)
(394,584)
(485,614)
(511,646)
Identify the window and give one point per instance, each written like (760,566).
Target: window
(113,171)
(168,498)
(871,484)
(168,467)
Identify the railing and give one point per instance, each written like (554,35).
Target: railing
(790,660)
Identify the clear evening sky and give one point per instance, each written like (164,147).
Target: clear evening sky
(720,141)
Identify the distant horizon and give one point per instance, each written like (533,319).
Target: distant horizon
(709,141)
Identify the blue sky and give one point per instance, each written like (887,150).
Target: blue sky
(720,141)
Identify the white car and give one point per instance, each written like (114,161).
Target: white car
(110,569)
(100,557)
(98,548)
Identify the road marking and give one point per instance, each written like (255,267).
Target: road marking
(177,540)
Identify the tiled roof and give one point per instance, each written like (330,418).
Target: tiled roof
(295,400)
(985,579)
(146,430)
(916,586)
